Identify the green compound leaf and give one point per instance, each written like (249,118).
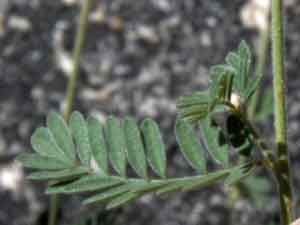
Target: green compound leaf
(36,161)
(81,136)
(59,175)
(97,143)
(111,193)
(233,60)
(239,173)
(43,143)
(135,148)
(253,86)
(206,180)
(154,146)
(85,184)
(245,57)
(220,85)
(122,200)
(116,144)
(190,145)
(219,151)
(194,107)
(62,135)
(192,183)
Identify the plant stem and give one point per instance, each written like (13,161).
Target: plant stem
(262,51)
(79,42)
(282,166)
(71,89)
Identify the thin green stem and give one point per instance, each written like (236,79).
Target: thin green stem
(79,42)
(264,39)
(71,89)
(282,166)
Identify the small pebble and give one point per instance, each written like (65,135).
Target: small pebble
(19,23)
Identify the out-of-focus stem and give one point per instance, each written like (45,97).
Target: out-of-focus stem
(71,89)
(262,53)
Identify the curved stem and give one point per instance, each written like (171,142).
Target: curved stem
(282,166)
(71,89)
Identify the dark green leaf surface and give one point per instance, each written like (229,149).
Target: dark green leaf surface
(117,145)
(194,107)
(43,143)
(62,135)
(220,153)
(238,173)
(233,60)
(59,175)
(122,199)
(36,161)
(81,136)
(206,180)
(111,193)
(97,143)
(135,148)
(88,183)
(155,147)
(253,86)
(245,57)
(190,145)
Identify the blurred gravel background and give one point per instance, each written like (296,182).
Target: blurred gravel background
(139,57)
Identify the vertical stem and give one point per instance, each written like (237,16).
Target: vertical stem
(262,51)
(79,42)
(71,89)
(282,167)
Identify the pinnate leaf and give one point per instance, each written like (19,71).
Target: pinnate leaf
(190,145)
(154,146)
(122,199)
(135,148)
(238,173)
(88,183)
(81,136)
(111,193)
(62,135)
(97,143)
(43,143)
(59,175)
(219,151)
(36,161)
(117,145)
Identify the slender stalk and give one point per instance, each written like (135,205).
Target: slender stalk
(282,166)
(71,89)
(264,39)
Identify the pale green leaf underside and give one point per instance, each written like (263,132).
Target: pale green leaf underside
(117,145)
(190,145)
(62,135)
(122,199)
(59,175)
(135,148)
(239,173)
(43,143)
(36,161)
(85,184)
(154,146)
(81,136)
(97,143)
(211,134)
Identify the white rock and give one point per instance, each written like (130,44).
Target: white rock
(19,23)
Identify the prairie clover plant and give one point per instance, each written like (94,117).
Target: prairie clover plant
(87,156)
